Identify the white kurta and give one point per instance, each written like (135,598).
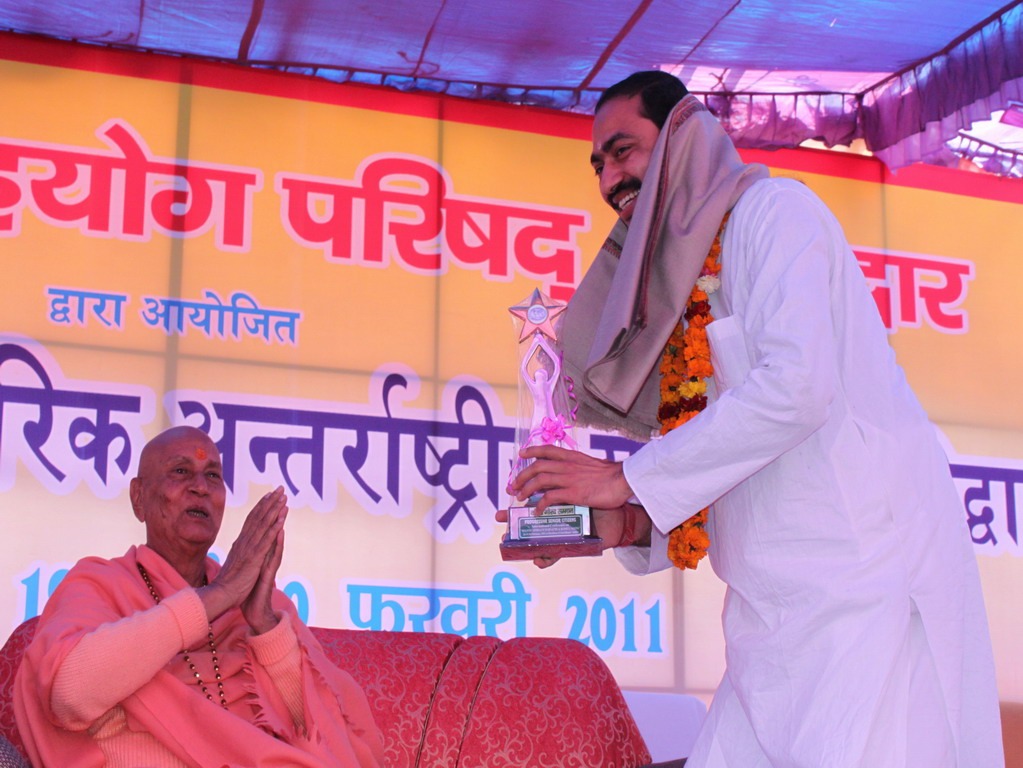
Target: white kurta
(854,623)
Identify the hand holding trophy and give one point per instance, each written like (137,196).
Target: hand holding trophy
(546,417)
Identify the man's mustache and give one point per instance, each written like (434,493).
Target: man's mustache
(625,185)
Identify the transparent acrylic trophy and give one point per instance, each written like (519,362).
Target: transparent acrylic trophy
(546,417)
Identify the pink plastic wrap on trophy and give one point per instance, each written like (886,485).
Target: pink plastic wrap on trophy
(546,417)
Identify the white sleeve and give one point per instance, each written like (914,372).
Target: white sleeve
(644,560)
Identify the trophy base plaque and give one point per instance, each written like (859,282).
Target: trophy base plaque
(563,530)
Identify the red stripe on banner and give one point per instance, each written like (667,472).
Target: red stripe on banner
(841,164)
(933,178)
(958,182)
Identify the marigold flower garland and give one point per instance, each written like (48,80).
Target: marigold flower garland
(685,368)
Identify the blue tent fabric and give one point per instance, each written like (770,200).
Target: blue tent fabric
(905,77)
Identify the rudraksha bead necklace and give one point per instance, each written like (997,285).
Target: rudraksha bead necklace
(188,660)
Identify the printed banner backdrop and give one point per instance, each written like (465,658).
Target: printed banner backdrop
(319,276)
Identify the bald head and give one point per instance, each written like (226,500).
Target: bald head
(202,446)
(179,493)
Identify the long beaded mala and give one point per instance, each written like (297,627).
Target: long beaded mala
(188,660)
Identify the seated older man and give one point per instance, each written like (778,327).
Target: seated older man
(164,658)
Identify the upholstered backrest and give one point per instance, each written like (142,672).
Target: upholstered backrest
(550,701)
(453,702)
(399,672)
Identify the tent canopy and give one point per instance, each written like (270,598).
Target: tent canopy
(906,77)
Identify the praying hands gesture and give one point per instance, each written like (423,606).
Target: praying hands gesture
(247,577)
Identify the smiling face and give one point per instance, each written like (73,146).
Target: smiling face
(179,493)
(623,141)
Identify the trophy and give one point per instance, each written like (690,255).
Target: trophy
(546,417)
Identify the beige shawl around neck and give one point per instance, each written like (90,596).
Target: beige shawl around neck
(634,294)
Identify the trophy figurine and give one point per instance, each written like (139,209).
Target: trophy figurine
(546,417)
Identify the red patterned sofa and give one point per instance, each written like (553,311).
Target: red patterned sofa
(444,701)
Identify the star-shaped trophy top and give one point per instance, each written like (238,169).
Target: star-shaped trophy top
(538,315)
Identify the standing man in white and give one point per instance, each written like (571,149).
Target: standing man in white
(854,624)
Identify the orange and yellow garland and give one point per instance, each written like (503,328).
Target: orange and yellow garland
(685,368)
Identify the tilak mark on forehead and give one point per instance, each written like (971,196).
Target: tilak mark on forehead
(200,453)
